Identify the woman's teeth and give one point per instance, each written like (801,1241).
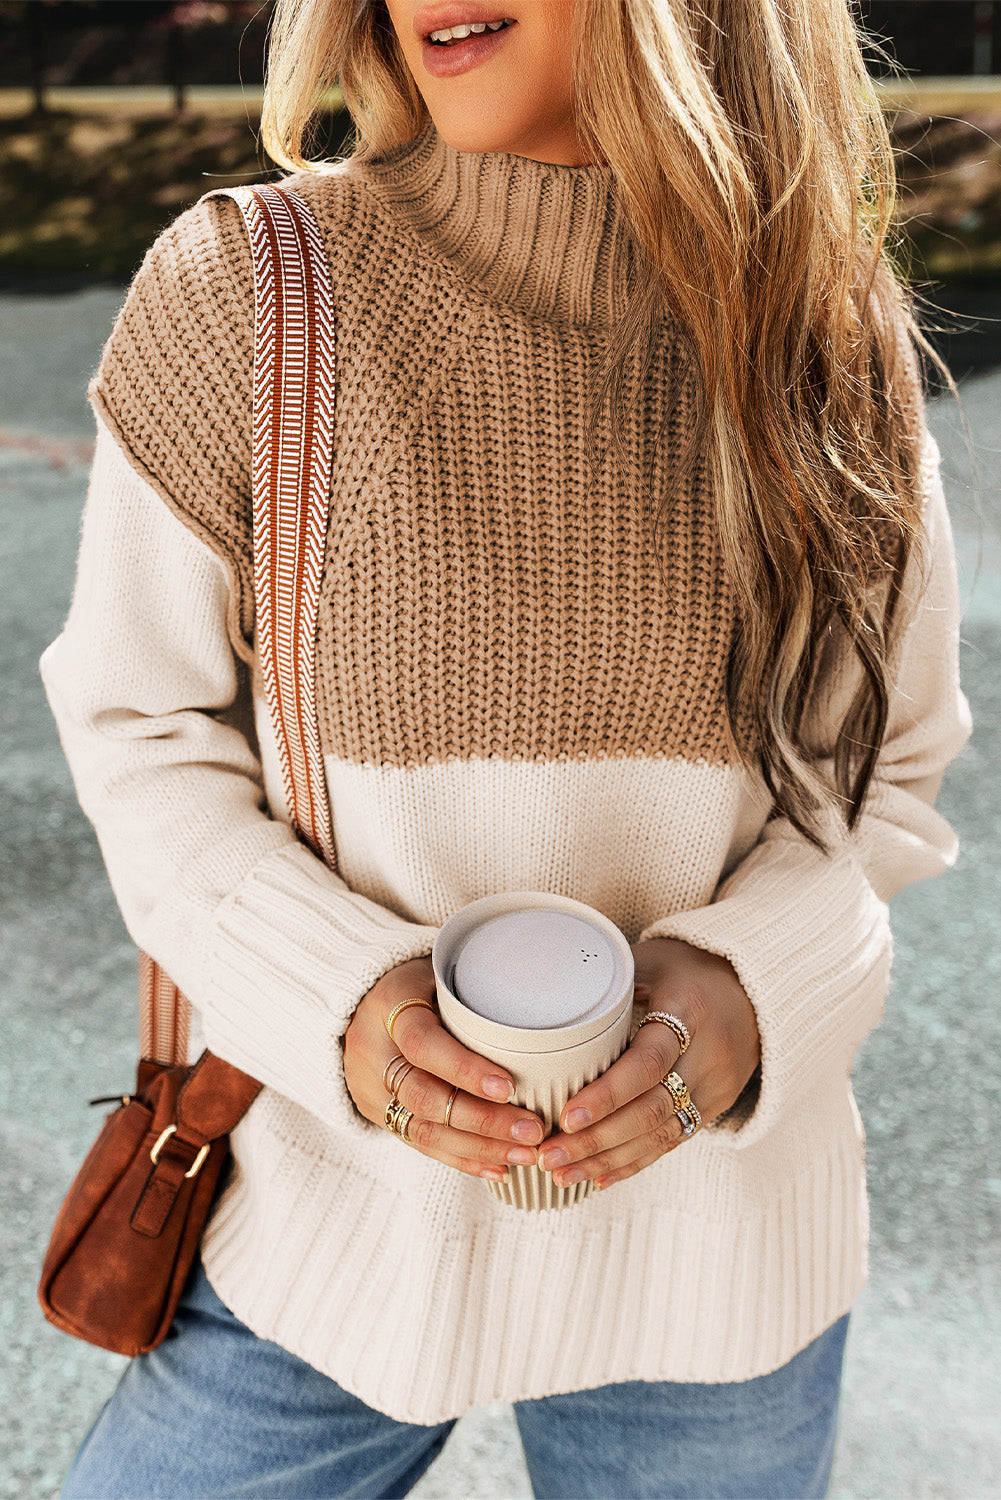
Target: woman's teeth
(459,33)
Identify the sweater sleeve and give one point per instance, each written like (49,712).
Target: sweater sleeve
(807,932)
(273,950)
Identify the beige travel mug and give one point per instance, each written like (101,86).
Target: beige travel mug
(542,985)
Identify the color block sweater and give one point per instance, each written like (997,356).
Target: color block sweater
(510,698)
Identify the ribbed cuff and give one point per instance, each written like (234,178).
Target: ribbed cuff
(810,942)
(293,951)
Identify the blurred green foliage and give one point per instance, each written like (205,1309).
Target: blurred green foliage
(88,192)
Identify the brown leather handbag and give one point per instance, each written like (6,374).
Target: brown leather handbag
(127,1234)
(128,1231)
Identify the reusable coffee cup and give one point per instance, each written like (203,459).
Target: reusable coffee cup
(542,985)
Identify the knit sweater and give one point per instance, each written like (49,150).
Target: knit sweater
(510,698)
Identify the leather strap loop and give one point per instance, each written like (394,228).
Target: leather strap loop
(215,1096)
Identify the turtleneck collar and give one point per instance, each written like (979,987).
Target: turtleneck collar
(550,240)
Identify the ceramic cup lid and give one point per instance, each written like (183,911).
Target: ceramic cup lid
(536,969)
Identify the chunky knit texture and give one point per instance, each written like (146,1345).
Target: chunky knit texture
(566,644)
(509,699)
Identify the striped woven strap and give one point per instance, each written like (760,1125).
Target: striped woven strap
(294,367)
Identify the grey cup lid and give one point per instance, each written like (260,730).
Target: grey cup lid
(536,969)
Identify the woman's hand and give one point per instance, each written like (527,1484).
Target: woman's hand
(626,1119)
(482,1137)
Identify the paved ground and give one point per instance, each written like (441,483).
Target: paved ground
(923,1386)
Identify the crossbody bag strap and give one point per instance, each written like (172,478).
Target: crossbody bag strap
(293,431)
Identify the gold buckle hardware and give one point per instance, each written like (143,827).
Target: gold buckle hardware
(198,1159)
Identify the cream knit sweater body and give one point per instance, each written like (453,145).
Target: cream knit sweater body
(509,699)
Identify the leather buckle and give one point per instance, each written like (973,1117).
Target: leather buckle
(195,1165)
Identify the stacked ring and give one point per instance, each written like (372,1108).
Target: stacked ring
(678,1027)
(686,1122)
(398,1118)
(399,1073)
(385,1072)
(398,1009)
(678,1090)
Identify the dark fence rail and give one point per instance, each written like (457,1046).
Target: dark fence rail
(81,43)
(936,37)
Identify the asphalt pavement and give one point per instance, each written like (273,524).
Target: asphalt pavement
(923,1381)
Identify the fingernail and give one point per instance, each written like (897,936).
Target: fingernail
(555,1158)
(494,1173)
(498,1088)
(577,1119)
(576,1174)
(521,1156)
(527,1130)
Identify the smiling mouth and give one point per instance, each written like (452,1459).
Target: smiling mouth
(445,37)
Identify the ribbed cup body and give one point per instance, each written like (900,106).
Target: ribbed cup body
(549,1064)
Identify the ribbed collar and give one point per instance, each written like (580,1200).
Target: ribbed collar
(550,240)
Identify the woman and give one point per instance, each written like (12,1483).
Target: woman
(689,656)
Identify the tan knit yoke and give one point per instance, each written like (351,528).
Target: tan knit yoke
(481,598)
(175,384)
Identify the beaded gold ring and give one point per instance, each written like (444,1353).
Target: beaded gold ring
(398,1010)
(678,1027)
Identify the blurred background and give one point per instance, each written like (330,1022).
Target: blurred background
(114,116)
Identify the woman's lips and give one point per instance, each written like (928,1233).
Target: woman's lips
(444,62)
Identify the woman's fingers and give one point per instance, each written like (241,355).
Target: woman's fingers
(442,1063)
(645,1125)
(426,1068)
(640,1132)
(653,1052)
(422,1039)
(451,1146)
(427,1096)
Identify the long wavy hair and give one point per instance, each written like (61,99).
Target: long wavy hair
(757,173)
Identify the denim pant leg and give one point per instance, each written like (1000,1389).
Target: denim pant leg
(216,1412)
(770,1438)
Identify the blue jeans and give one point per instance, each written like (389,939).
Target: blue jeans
(216,1411)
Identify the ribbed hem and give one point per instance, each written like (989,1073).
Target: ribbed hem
(293,952)
(810,942)
(429,1297)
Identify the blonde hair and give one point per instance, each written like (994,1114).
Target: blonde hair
(757,173)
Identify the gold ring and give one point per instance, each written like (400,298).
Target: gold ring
(689,1118)
(678,1090)
(385,1072)
(678,1027)
(399,1073)
(402,1007)
(398,1118)
(448,1107)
